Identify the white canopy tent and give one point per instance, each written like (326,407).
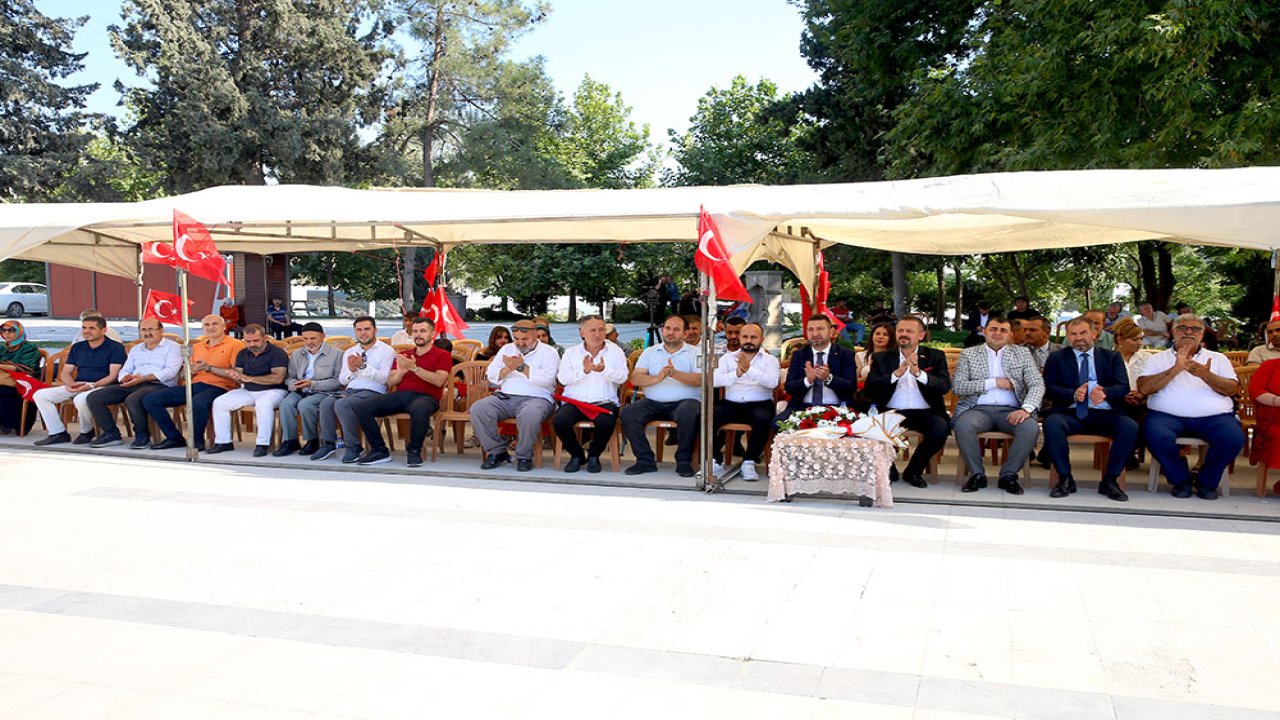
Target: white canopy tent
(954,215)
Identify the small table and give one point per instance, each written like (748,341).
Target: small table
(805,465)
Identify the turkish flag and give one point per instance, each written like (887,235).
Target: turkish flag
(591,411)
(192,250)
(429,273)
(1275,309)
(437,307)
(165,307)
(819,304)
(712,259)
(26,384)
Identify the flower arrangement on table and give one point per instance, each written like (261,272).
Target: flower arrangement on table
(835,422)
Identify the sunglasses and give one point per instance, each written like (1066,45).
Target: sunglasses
(8,329)
(1189,328)
(522,329)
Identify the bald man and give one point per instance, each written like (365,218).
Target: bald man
(749,378)
(212,374)
(1270,350)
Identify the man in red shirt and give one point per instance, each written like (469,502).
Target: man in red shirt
(418,381)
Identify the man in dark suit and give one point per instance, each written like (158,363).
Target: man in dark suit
(1087,386)
(913,380)
(823,373)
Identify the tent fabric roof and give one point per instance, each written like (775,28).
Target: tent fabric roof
(966,214)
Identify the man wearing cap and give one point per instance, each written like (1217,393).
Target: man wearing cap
(591,373)
(363,371)
(152,365)
(668,374)
(525,372)
(1269,350)
(313,375)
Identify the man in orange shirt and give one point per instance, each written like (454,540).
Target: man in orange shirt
(212,369)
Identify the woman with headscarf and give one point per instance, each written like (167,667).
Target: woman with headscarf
(17,353)
(1264,388)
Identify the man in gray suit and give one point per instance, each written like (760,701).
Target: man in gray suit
(313,374)
(998,388)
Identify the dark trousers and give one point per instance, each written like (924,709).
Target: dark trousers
(1222,432)
(1121,428)
(687,415)
(934,428)
(202,396)
(568,415)
(11,409)
(280,332)
(132,398)
(759,415)
(419,406)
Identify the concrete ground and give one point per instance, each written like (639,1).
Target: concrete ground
(131,588)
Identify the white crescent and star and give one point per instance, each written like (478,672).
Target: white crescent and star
(25,385)
(165,314)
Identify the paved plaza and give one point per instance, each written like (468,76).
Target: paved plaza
(145,589)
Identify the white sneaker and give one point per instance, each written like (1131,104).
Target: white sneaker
(749,471)
(716,468)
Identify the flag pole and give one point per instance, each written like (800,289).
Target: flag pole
(707,481)
(186,365)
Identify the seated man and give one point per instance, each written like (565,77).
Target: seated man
(1270,350)
(853,331)
(279,320)
(692,330)
(998,388)
(363,371)
(914,381)
(92,313)
(1087,386)
(418,384)
(669,376)
(404,336)
(822,373)
(1189,393)
(1102,338)
(212,360)
(591,373)
(729,343)
(260,370)
(1035,337)
(91,364)
(525,372)
(1021,309)
(313,376)
(230,313)
(749,378)
(1154,325)
(152,365)
(1115,311)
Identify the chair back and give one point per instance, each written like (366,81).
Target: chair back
(953,358)
(53,365)
(342,342)
(465,350)
(791,345)
(174,337)
(470,375)
(632,358)
(1237,357)
(1245,408)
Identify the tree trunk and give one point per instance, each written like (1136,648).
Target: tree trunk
(959,326)
(333,311)
(573,305)
(1164,274)
(941,310)
(899,283)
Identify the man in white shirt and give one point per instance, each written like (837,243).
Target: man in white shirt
(524,371)
(1155,326)
(749,378)
(669,376)
(1189,393)
(998,388)
(1270,350)
(364,369)
(591,373)
(151,365)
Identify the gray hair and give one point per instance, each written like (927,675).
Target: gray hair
(582,321)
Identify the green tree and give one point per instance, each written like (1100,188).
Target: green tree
(600,146)
(742,134)
(43,124)
(367,275)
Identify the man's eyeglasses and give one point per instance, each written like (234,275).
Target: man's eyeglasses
(1189,328)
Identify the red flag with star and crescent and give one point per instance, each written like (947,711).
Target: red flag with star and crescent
(27,385)
(192,250)
(165,307)
(432,268)
(1275,309)
(436,306)
(712,259)
(819,304)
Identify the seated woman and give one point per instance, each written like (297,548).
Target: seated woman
(498,337)
(1264,388)
(17,353)
(881,340)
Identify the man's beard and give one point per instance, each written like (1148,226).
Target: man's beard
(746,348)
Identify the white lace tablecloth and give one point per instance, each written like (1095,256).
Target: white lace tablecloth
(844,466)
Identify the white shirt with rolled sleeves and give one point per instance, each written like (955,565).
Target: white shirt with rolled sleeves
(755,385)
(1187,395)
(654,358)
(165,361)
(378,363)
(543,362)
(593,387)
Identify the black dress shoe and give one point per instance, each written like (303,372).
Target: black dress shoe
(685,469)
(221,448)
(1009,483)
(83,438)
(639,469)
(169,444)
(1066,485)
(916,481)
(523,465)
(287,448)
(1111,489)
(260,450)
(976,482)
(1181,491)
(574,465)
(593,464)
(893,473)
(494,460)
(54,439)
(140,442)
(310,447)
(413,458)
(1207,493)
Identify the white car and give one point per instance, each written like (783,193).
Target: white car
(17,299)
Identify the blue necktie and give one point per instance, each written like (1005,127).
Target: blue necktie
(817,384)
(1082,408)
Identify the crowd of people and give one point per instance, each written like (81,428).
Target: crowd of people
(1099,383)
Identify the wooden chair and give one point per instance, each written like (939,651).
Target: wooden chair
(790,345)
(52,369)
(915,438)
(46,376)
(1237,357)
(342,342)
(999,453)
(615,440)
(1245,409)
(455,408)
(465,350)
(1101,451)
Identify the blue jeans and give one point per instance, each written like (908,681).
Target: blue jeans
(202,396)
(1222,432)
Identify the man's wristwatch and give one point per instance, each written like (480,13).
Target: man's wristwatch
(522,367)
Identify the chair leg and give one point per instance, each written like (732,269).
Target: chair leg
(1153,475)
(660,442)
(1261,490)
(730,437)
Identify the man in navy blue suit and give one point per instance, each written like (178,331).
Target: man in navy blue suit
(1087,386)
(822,373)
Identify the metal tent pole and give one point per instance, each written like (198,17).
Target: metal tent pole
(186,366)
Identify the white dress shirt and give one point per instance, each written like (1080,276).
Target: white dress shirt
(756,384)
(1187,395)
(543,362)
(593,387)
(164,362)
(907,395)
(378,362)
(993,395)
